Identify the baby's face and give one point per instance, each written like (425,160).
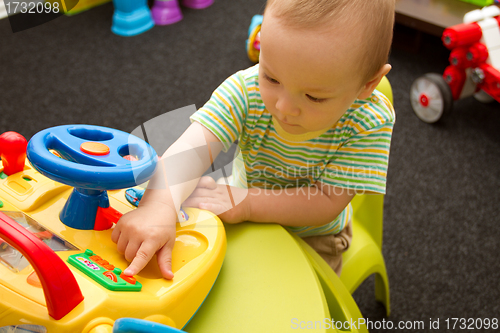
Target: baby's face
(307,77)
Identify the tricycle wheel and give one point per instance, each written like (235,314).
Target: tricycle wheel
(430,97)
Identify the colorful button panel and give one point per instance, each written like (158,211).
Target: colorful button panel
(103,272)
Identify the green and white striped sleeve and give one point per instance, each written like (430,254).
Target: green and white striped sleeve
(361,161)
(226,110)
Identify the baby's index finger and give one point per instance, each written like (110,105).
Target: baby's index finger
(130,270)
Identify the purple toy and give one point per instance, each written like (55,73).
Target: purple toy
(168,11)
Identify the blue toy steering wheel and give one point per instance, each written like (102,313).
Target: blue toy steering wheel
(92,159)
(84,164)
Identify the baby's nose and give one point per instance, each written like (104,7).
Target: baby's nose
(286,107)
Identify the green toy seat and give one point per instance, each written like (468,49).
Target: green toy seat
(385,88)
(340,303)
(364,257)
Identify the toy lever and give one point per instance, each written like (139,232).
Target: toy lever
(105,218)
(62,293)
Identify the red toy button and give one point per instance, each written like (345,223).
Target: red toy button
(102,262)
(34,280)
(94,148)
(129,279)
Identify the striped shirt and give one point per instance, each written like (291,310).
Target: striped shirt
(352,154)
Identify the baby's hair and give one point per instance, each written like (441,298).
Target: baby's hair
(374,19)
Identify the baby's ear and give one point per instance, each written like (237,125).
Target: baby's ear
(370,86)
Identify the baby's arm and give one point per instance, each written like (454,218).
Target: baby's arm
(299,206)
(289,206)
(150,228)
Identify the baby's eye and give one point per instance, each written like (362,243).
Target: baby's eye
(314,99)
(270,79)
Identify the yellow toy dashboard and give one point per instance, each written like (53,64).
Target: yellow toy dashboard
(59,269)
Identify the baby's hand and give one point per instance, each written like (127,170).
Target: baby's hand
(141,233)
(227,202)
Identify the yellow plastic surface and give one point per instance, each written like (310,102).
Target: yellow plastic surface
(82,5)
(197,258)
(267,284)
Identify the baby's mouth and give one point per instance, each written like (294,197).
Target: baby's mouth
(287,123)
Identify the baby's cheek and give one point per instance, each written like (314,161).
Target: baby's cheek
(267,98)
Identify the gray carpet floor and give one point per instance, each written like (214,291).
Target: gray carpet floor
(441,222)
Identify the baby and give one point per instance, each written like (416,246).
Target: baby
(312,132)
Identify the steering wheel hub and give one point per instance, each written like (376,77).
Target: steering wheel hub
(94,148)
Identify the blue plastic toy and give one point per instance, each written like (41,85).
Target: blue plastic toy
(131,17)
(134,196)
(132,325)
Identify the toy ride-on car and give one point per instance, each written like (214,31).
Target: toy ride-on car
(60,271)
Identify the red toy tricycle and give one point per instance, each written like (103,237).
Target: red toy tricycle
(474,67)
